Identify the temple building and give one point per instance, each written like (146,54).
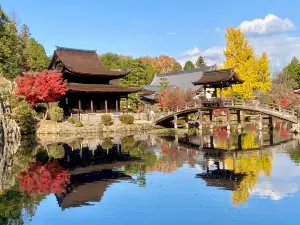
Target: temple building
(92,87)
(183,80)
(218,79)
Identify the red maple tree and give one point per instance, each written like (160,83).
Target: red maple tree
(44,179)
(43,87)
(173,99)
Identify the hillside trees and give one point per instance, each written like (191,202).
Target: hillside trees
(293,70)
(200,62)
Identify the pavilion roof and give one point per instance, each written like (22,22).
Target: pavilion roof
(224,77)
(106,88)
(83,62)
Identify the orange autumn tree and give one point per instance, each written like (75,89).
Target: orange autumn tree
(165,64)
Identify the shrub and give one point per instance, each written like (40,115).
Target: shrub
(25,118)
(127,119)
(78,124)
(107,143)
(56,151)
(56,114)
(106,119)
(71,120)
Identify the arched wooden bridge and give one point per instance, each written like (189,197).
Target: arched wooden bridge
(273,111)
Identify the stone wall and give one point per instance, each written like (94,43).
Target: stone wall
(49,127)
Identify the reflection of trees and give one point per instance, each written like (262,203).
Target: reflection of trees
(138,149)
(12,200)
(251,164)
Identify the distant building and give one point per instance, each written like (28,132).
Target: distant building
(183,80)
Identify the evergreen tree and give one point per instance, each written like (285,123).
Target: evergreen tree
(10,48)
(188,65)
(177,67)
(200,62)
(35,56)
(252,70)
(293,69)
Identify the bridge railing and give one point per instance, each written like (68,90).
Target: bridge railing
(287,111)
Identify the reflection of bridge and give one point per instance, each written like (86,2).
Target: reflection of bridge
(272,111)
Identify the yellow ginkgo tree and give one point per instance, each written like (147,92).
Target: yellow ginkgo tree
(254,71)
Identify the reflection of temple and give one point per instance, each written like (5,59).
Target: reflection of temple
(221,177)
(92,171)
(89,186)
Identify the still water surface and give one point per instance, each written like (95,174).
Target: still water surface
(147,179)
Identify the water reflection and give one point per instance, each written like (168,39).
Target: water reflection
(80,171)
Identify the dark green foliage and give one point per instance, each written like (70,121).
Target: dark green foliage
(188,65)
(35,56)
(293,70)
(106,119)
(56,114)
(163,85)
(295,156)
(200,62)
(10,48)
(25,117)
(127,119)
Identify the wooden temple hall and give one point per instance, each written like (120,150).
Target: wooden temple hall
(219,79)
(92,87)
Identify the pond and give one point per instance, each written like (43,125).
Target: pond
(246,177)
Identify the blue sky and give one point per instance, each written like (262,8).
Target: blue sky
(182,29)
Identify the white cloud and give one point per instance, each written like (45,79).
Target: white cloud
(275,190)
(280,49)
(270,24)
(170,33)
(213,55)
(219,30)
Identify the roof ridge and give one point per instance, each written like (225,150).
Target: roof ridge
(186,71)
(75,49)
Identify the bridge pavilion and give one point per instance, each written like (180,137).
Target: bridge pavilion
(219,79)
(92,87)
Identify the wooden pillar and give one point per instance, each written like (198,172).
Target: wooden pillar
(210,115)
(92,105)
(238,115)
(204,92)
(261,139)
(231,95)
(117,105)
(106,110)
(240,147)
(175,122)
(67,101)
(221,93)
(79,105)
(126,104)
(212,141)
(216,92)
(271,122)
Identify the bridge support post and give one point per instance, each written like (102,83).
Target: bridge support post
(200,120)
(175,122)
(228,120)
(200,139)
(261,139)
(187,121)
(260,123)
